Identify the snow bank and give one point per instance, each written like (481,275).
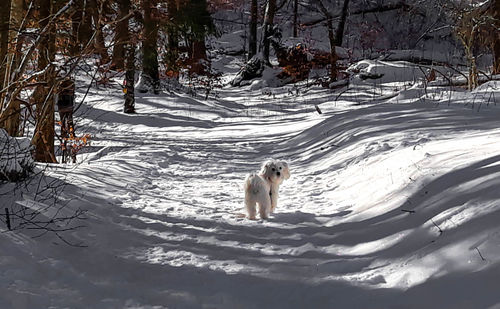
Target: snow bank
(16,161)
(386,72)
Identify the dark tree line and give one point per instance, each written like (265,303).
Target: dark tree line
(43,42)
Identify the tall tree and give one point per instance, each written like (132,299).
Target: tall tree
(43,137)
(121,35)
(267,30)
(295,17)
(495,9)
(252,38)
(81,24)
(172,30)
(97,9)
(10,106)
(4,37)
(195,22)
(331,38)
(128,46)
(339,35)
(150,76)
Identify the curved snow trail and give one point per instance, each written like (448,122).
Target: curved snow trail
(164,192)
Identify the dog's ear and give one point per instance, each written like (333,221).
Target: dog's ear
(286,170)
(265,167)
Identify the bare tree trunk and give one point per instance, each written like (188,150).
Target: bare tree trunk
(496,56)
(295,17)
(267,28)
(13,111)
(129,106)
(252,38)
(43,137)
(4,37)
(172,40)
(149,46)
(121,35)
(96,11)
(332,39)
(496,44)
(339,36)
(81,27)
(198,54)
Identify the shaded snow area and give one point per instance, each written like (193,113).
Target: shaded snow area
(393,202)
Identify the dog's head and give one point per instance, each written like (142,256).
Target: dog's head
(283,168)
(275,171)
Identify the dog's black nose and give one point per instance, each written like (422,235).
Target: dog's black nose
(278,173)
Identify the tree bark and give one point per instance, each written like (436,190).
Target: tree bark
(252,38)
(295,17)
(172,55)
(339,35)
(149,46)
(43,137)
(496,44)
(4,37)
(129,105)
(81,24)
(13,112)
(121,35)
(332,39)
(96,12)
(267,28)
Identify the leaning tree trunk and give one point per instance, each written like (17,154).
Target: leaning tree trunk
(150,73)
(267,29)
(252,38)
(43,137)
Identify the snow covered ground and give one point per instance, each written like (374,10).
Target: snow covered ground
(393,202)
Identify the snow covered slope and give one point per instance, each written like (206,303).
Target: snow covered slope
(393,203)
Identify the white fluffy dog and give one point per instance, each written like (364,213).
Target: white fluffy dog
(262,188)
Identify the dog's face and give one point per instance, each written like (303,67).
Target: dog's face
(283,168)
(275,171)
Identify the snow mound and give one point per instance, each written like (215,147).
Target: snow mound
(385,71)
(16,161)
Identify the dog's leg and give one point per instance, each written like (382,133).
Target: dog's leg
(251,208)
(265,209)
(274,198)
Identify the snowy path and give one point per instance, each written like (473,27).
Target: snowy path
(164,194)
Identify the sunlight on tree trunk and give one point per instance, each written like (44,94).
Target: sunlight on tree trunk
(267,29)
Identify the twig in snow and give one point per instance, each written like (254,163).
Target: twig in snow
(482,258)
(408,211)
(440,230)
